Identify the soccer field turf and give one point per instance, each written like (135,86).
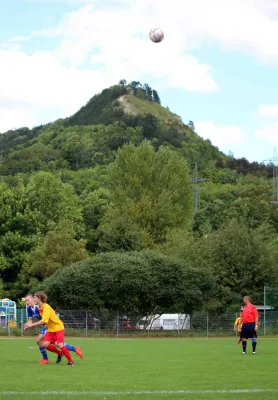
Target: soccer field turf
(142,369)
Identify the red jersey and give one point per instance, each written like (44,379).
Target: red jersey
(249,314)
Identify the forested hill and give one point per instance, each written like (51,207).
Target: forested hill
(124,113)
(118,176)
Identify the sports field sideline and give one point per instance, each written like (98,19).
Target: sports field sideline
(142,369)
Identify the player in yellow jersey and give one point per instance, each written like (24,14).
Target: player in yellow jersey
(55,327)
(238,324)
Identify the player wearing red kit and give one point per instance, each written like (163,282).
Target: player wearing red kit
(250,318)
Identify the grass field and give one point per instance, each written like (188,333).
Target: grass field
(140,106)
(165,369)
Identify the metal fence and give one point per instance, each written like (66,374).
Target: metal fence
(89,324)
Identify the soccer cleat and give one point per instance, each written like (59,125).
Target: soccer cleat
(243,352)
(254,352)
(71,364)
(59,358)
(43,361)
(79,352)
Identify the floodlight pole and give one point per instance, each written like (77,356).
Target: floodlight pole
(264,309)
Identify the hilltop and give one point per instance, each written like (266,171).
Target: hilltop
(119,102)
(123,113)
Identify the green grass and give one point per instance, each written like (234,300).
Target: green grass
(141,365)
(140,106)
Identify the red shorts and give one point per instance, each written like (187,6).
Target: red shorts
(53,337)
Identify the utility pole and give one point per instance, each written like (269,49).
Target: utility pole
(274,162)
(196,189)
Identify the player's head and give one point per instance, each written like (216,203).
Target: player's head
(29,299)
(40,297)
(247,300)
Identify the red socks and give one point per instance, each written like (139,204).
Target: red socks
(54,349)
(67,354)
(63,350)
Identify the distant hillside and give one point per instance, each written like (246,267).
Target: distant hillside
(123,113)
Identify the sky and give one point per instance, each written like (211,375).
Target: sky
(217,65)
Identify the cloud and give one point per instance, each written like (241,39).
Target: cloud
(101,42)
(96,45)
(269,132)
(222,136)
(40,85)
(247,26)
(268,111)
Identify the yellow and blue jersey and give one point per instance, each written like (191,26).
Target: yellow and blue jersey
(33,312)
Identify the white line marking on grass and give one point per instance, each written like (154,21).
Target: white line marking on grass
(137,393)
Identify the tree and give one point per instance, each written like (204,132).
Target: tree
(150,126)
(58,250)
(53,201)
(153,188)
(119,232)
(148,91)
(95,206)
(18,234)
(191,125)
(141,282)
(242,260)
(134,85)
(122,82)
(156,97)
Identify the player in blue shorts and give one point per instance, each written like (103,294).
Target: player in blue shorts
(33,312)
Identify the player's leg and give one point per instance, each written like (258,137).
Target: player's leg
(60,356)
(243,338)
(244,346)
(254,345)
(254,341)
(60,341)
(76,349)
(49,339)
(39,341)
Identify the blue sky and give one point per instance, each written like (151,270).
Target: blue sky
(218,71)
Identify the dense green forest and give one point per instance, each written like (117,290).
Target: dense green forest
(106,201)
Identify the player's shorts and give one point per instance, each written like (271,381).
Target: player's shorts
(53,337)
(43,331)
(248,331)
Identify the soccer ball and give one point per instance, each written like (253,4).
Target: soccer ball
(156,35)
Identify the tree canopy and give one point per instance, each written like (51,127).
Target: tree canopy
(116,179)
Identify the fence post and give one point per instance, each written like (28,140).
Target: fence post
(264,310)
(21,321)
(117,324)
(207,324)
(178,325)
(86,327)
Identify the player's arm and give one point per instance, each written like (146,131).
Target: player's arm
(256,319)
(43,321)
(30,323)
